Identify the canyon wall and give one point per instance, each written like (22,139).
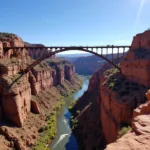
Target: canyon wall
(122,93)
(16,89)
(139,136)
(136,66)
(116,95)
(89,131)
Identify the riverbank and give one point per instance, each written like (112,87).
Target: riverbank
(48,131)
(65,139)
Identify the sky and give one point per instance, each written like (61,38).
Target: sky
(75,22)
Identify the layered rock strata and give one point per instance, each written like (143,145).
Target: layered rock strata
(138,138)
(136,66)
(118,97)
(16,89)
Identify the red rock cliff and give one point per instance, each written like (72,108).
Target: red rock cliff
(139,136)
(89,131)
(121,94)
(15,89)
(136,66)
(118,96)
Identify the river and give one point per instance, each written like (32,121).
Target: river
(65,140)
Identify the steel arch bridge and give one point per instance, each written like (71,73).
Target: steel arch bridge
(41,53)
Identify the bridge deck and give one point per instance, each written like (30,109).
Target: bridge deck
(41,53)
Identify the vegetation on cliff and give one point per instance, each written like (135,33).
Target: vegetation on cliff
(123,87)
(123,131)
(48,132)
(6,35)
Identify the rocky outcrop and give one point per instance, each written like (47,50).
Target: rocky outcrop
(69,71)
(141,40)
(139,136)
(15,101)
(11,40)
(45,78)
(41,80)
(136,66)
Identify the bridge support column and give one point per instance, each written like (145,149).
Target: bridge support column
(112,53)
(118,53)
(106,52)
(101,51)
(123,51)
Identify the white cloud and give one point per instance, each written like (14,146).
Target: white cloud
(141,6)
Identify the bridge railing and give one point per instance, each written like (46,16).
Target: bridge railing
(108,53)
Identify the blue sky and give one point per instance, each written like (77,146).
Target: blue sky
(75,22)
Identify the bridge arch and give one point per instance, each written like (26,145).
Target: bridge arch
(50,51)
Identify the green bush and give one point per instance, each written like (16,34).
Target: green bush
(74,123)
(71,106)
(123,131)
(48,132)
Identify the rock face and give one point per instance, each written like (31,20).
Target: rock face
(69,71)
(11,40)
(89,132)
(40,80)
(139,137)
(123,93)
(16,89)
(16,101)
(16,93)
(136,66)
(118,96)
(141,41)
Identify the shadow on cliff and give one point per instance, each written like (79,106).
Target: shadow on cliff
(7,123)
(20,75)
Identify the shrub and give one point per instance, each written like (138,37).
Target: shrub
(74,123)
(48,132)
(111,85)
(123,131)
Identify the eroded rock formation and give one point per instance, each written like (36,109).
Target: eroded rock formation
(136,66)
(16,89)
(138,138)
(117,99)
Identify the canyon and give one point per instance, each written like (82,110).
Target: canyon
(27,99)
(115,101)
(115,109)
